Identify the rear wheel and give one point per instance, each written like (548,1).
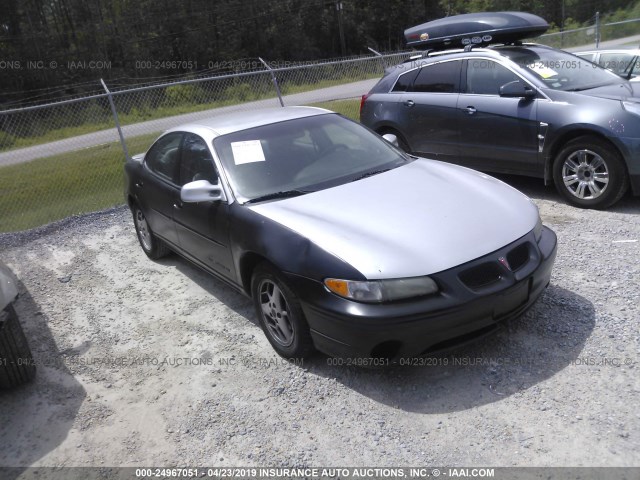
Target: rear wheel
(590,173)
(280,313)
(151,245)
(16,362)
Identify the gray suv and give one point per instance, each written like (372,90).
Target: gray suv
(521,109)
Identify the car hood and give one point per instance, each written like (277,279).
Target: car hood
(418,219)
(618,91)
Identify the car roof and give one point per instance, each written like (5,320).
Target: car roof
(225,123)
(426,57)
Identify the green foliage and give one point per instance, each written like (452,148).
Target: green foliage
(178,99)
(189,93)
(49,189)
(201,35)
(348,108)
(6,140)
(240,92)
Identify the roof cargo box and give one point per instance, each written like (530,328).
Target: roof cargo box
(475,29)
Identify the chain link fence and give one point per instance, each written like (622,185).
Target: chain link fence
(66,158)
(598,35)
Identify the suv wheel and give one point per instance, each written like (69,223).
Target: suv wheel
(16,362)
(590,173)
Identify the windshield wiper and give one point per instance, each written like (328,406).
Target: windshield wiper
(274,195)
(370,174)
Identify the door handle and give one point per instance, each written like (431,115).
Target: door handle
(177,205)
(470,110)
(139,184)
(409,103)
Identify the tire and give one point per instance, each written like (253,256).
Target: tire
(590,173)
(16,362)
(280,314)
(151,245)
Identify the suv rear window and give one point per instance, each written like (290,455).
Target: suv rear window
(405,80)
(443,77)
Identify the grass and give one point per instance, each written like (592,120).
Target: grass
(348,108)
(52,188)
(181,99)
(48,189)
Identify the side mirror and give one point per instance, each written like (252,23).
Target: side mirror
(517,89)
(391,138)
(201,191)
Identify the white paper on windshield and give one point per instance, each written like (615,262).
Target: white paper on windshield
(544,71)
(247,152)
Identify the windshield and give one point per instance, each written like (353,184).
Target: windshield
(302,155)
(560,70)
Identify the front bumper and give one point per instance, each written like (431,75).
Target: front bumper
(472,300)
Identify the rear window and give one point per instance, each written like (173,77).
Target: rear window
(441,77)
(405,80)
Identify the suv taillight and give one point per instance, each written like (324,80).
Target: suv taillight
(362,100)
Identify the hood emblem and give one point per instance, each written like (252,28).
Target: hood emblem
(504,262)
(424,36)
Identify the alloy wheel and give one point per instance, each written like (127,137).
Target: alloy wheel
(276,313)
(143,230)
(585,174)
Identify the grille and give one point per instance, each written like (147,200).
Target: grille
(481,275)
(518,257)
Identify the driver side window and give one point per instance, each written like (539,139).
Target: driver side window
(485,77)
(163,157)
(197,162)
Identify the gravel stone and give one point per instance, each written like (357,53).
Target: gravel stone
(157,363)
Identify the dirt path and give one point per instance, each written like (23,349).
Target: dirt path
(155,363)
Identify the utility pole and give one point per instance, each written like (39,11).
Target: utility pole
(343,45)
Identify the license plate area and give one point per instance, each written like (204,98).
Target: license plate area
(511,300)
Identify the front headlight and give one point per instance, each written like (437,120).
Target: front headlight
(537,230)
(632,107)
(378,291)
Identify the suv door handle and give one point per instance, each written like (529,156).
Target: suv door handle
(177,205)
(470,110)
(409,103)
(139,184)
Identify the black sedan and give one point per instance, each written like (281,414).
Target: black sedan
(345,243)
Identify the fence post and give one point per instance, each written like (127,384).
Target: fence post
(379,55)
(597,30)
(115,117)
(275,81)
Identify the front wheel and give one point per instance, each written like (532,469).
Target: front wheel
(590,173)
(280,314)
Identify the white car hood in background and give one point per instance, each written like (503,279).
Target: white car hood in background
(415,220)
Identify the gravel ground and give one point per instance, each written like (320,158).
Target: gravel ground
(158,364)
